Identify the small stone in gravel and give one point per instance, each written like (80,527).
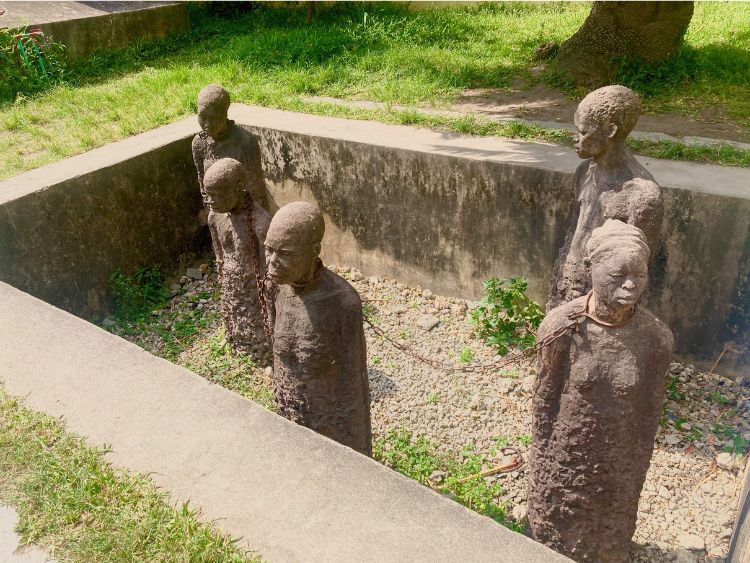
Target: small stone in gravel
(108,322)
(203,268)
(427,294)
(184,280)
(194,273)
(725,460)
(691,542)
(683,555)
(372,280)
(427,322)
(676,369)
(671,439)
(400,309)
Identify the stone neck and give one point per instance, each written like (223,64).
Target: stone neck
(311,279)
(600,313)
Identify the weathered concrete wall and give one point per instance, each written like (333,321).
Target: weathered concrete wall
(447,212)
(739,549)
(85,27)
(65,228)
(430,208)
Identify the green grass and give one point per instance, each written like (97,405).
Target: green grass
(418,458)
(380,52)
(79,508)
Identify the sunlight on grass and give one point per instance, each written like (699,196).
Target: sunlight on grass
(381,52)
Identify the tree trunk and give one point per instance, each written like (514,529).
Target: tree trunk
(615,32)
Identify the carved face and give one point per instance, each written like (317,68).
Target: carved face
(619,278)
(213,119)
(288,260)
(592,137)
(223,198)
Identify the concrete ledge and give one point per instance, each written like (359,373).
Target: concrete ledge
(85,27)
(288,492)
(66,227)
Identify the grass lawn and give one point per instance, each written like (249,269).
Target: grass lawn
(79,508)
(381,52)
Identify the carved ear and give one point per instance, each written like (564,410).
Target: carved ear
(612,131)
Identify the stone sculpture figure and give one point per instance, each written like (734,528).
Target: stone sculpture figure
(609,184)
(238,228)
(319,356)
(597,403)
(220,138)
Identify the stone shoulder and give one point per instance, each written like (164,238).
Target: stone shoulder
(559,317)
(342,290)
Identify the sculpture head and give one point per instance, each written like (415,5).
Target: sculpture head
(213,106)
(605,117)
(618,254)
(224,184)
(293,243)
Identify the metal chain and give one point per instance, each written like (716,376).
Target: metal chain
(260,276)
(485,367)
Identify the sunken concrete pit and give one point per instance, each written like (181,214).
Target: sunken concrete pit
(436,209)
(429,208)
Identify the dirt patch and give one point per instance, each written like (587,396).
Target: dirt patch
(543,103)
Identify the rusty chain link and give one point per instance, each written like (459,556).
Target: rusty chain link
(260,275)
(485,367)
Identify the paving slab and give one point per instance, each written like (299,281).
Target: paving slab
(287,492)
(11,548)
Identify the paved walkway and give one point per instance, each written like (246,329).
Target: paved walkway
(11,550)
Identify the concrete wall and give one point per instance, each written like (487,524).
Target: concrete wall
(430,208)
(447,212)
(85,27)
(65,228)
(739,549)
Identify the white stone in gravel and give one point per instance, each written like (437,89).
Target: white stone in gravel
(372,280)
(671,439)
(427,322)
(691,542)
(726,460)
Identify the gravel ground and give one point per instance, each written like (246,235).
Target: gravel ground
(692,489)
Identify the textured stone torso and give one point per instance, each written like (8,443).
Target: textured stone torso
(240,305)
(571,278)
(320,368)
(597,404)
(239,145)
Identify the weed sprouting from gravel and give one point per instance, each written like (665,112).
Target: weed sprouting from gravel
(455,475)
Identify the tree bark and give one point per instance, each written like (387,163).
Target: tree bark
(615,32)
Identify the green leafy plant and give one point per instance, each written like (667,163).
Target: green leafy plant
(717,397)
(420,459)
(29,61)
(673,393)
(739,444)
(506,317)
(138,294)
(433,399)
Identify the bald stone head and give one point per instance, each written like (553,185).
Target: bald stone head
(213,106)
(223,183)
(293,243)
(618,254)
(605,116)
